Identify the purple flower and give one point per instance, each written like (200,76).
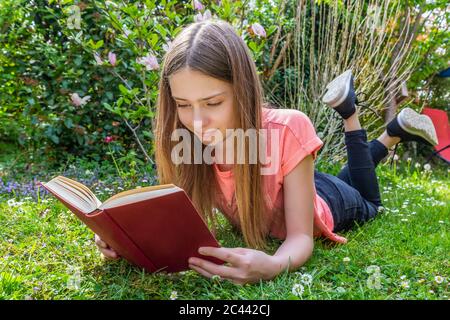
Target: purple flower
(258,30)
(149,61)
(112,58)
(198,5)
(202,17)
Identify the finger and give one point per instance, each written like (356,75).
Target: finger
(212,268)
(99,242)
(225,254)
(201,271)
(240,251)
(109,254)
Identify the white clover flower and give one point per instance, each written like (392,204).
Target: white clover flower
(440,221)
(403,277)
(346,259)
(404,284)
(11,202)
(173,295)
(427,167)
(417,165)
(298,290)
(409,159)
(431,291)
(306,279)
(372,269)
(340,290)
(396,157)
(439,279)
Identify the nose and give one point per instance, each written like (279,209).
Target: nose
(200,120)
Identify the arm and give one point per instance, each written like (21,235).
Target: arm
(250,266)
(298,189)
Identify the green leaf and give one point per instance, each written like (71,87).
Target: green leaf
(123,89)
(54,138)
(68,123)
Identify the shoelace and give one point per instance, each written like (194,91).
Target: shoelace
(393,156)
(362,103)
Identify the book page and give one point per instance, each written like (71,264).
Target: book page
(82,187)
(136,195)
(71,197)
(140,190)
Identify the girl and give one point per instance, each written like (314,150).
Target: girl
(209,83)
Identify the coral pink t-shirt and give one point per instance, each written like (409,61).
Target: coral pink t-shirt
(294,137)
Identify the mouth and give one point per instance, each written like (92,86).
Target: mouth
(208,134)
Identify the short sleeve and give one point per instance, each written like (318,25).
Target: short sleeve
(299,139)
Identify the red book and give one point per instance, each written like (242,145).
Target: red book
(156,228)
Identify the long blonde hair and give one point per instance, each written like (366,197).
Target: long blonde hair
(214,48)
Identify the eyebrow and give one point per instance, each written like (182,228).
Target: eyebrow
(217,94)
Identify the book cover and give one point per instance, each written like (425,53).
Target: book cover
(156,228)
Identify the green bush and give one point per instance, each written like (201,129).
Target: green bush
(48,57)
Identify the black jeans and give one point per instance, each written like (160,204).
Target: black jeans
(353,195)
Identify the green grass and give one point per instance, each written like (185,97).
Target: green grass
(47,253)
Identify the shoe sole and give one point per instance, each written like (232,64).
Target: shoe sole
(417,124)
(338,89)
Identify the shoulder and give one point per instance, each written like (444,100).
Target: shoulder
(294,121)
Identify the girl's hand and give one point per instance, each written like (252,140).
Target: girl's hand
(244,265)
(106,250)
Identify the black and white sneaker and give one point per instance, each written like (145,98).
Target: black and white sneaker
(409,125)
(341,95)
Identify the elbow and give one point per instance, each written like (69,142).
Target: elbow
(306,243)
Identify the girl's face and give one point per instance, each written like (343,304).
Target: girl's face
(203,103)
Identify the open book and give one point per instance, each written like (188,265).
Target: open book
(156,228)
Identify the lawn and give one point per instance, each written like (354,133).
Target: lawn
(47,253)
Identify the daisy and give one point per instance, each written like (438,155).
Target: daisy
(173,295)
(298,289)
(404,284)
(306,279)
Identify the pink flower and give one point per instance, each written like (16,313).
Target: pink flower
(198,5)
(78,101)
(112,58)
(258,30)
(206,15)
(149,61)
(108,139)
(97,58)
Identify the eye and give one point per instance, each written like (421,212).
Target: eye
(182,105)
(214,104)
